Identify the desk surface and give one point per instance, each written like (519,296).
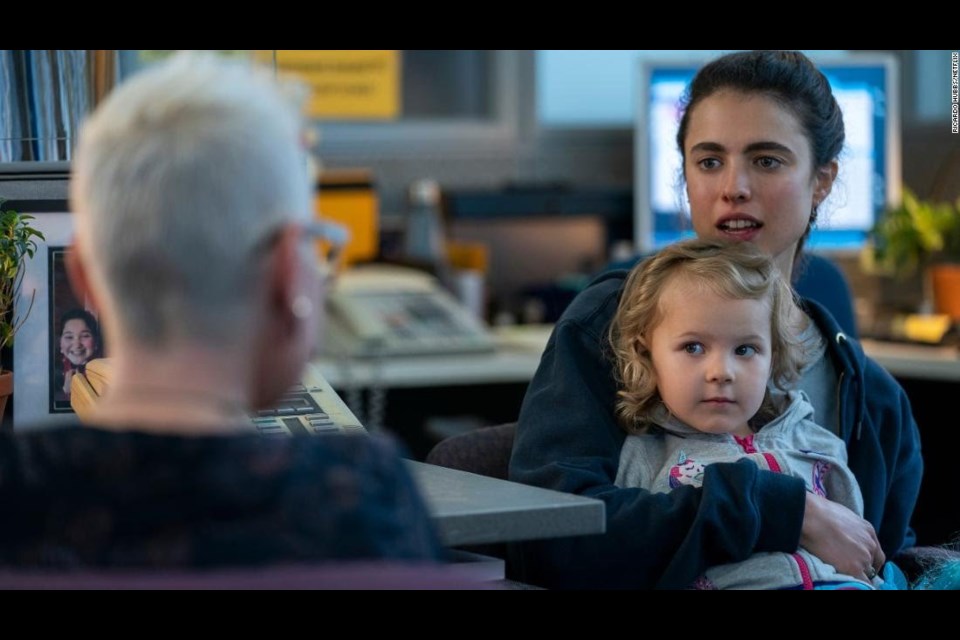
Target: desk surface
(502,366)
(518,356)
(515,361)
(916,361)
(473,509)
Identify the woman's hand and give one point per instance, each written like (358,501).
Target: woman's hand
(67,378)
(840,537)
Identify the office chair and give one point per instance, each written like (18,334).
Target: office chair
(485,451)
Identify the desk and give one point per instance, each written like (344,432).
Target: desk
(515,361)
(413,394)
(915,361)
(472,509)
(930,377)
(501,366)
(928,374)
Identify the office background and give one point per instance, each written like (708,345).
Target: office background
(474,120)
(507,140)
(482,118)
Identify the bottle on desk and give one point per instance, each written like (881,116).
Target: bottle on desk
(460,266)
(424,238)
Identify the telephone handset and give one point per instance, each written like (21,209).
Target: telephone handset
(380,310)
(311,407)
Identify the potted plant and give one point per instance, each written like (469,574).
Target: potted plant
(17,244)
(920,235)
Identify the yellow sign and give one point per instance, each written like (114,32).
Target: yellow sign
(347,84)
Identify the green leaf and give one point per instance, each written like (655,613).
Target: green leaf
(912,235)
(17,245)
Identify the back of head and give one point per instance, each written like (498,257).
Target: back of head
(180,175)
(731,270)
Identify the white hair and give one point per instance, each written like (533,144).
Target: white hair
(180,173)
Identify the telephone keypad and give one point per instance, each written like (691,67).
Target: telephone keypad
(308,408)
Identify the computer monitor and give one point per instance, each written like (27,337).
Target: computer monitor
(866,87)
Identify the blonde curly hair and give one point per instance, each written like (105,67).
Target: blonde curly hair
(733,270)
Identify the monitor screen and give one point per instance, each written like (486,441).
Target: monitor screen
(869,179)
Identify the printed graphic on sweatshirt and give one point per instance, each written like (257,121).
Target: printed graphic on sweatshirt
(820,470)
(686,471)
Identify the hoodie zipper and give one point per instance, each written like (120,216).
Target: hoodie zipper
(840,402)
(805,576)
(842,345)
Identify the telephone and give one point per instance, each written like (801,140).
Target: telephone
(311,407)
(380,310)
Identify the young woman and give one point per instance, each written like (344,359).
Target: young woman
(760,138)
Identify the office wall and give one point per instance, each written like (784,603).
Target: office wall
(516,150)
(510,147)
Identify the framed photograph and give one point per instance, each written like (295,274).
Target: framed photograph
(36,347)
(74,332)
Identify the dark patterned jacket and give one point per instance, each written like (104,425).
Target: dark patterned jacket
(81,497)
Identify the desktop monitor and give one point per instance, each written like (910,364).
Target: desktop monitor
(865,86)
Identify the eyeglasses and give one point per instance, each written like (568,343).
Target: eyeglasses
(330,237)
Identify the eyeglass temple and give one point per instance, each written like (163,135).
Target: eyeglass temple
(336,234)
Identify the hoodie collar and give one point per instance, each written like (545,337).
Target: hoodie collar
(848,356)
(791,405)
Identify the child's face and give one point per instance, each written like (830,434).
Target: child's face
(76,341)
(711,356)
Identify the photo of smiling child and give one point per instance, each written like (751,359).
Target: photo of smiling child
(75,334)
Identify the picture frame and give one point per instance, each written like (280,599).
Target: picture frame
(74,330)
(33,405)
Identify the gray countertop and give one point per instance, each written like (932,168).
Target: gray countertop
(474,509)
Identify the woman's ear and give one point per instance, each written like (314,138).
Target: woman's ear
(278,341)
(284,277)
(824,178)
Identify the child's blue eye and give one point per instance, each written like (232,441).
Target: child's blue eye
(693,348)
(745,350)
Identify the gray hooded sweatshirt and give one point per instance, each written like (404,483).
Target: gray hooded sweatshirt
(673,454)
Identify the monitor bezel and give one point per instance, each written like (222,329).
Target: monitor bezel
(642,213)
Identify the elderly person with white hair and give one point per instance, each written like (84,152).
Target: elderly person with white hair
(192,203)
